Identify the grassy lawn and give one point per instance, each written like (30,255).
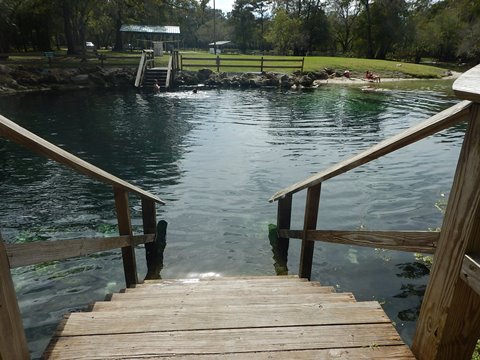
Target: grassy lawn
(357,66)
(312,63)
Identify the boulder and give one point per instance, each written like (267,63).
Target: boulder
(81,79)
(204,74)
(4,69)
(24,77)
(306,81)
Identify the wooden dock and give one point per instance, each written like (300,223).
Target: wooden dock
(229,318)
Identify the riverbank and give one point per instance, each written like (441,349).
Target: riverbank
(21,79)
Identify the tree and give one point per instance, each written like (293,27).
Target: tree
(243,23)
(284,32)
(261,8)
(205,31)
(8,9)
(368,27)
(315,27)
(343,14)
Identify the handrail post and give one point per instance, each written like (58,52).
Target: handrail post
(13,343)
(310,223)
(125,228)
(284,217)
(449,323)
(218,63)
(153,250)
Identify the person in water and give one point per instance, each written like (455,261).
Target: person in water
(156,86)
(194,90)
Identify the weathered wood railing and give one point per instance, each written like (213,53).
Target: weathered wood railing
(147,61)
(449,323)
(260,63)
(13,343)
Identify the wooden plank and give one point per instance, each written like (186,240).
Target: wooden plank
(140,70)
(227,281)
(268,291)
(310,223)
(222,287)
(22,136)
(125,228)
(117,302)
(412,241)
(366,353)
(470,272)
(466,86)
(13,343)
(42,251)
(223,317)
(229,278)
(127,346)
(449,323)
(436,123)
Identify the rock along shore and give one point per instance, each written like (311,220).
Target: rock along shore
(20,79)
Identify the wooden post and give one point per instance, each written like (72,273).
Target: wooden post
(13,343)
(310,223)
(261,64)
(303,61)
(125,228)
(284,217)
(153,250)
(181,62)
(449,322)
(218,63)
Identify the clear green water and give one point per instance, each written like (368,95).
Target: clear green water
(216,157)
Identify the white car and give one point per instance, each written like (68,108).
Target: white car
(90,45)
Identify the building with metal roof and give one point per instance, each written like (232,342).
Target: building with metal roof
(148,29)
(146,36)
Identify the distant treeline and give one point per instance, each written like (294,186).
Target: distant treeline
(445,30)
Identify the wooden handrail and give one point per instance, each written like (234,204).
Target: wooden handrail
(22,136)
(467,87)
(471,272)
(43,251)
(169,72)
(447,118)
(412,241)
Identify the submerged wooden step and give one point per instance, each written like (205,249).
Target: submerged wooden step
(264,318)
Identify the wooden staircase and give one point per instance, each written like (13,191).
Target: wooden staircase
(153,74)
(229,318)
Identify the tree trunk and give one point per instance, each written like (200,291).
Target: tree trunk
(370,54)
(67,24)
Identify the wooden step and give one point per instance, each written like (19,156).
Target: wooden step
(238,318)
(121,302)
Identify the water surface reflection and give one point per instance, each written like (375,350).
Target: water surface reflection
(216,157)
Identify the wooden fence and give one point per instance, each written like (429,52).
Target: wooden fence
(449,323)
(260,63)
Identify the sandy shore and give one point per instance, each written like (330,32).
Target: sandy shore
(358,81)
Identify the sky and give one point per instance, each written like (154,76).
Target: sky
(224,5)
